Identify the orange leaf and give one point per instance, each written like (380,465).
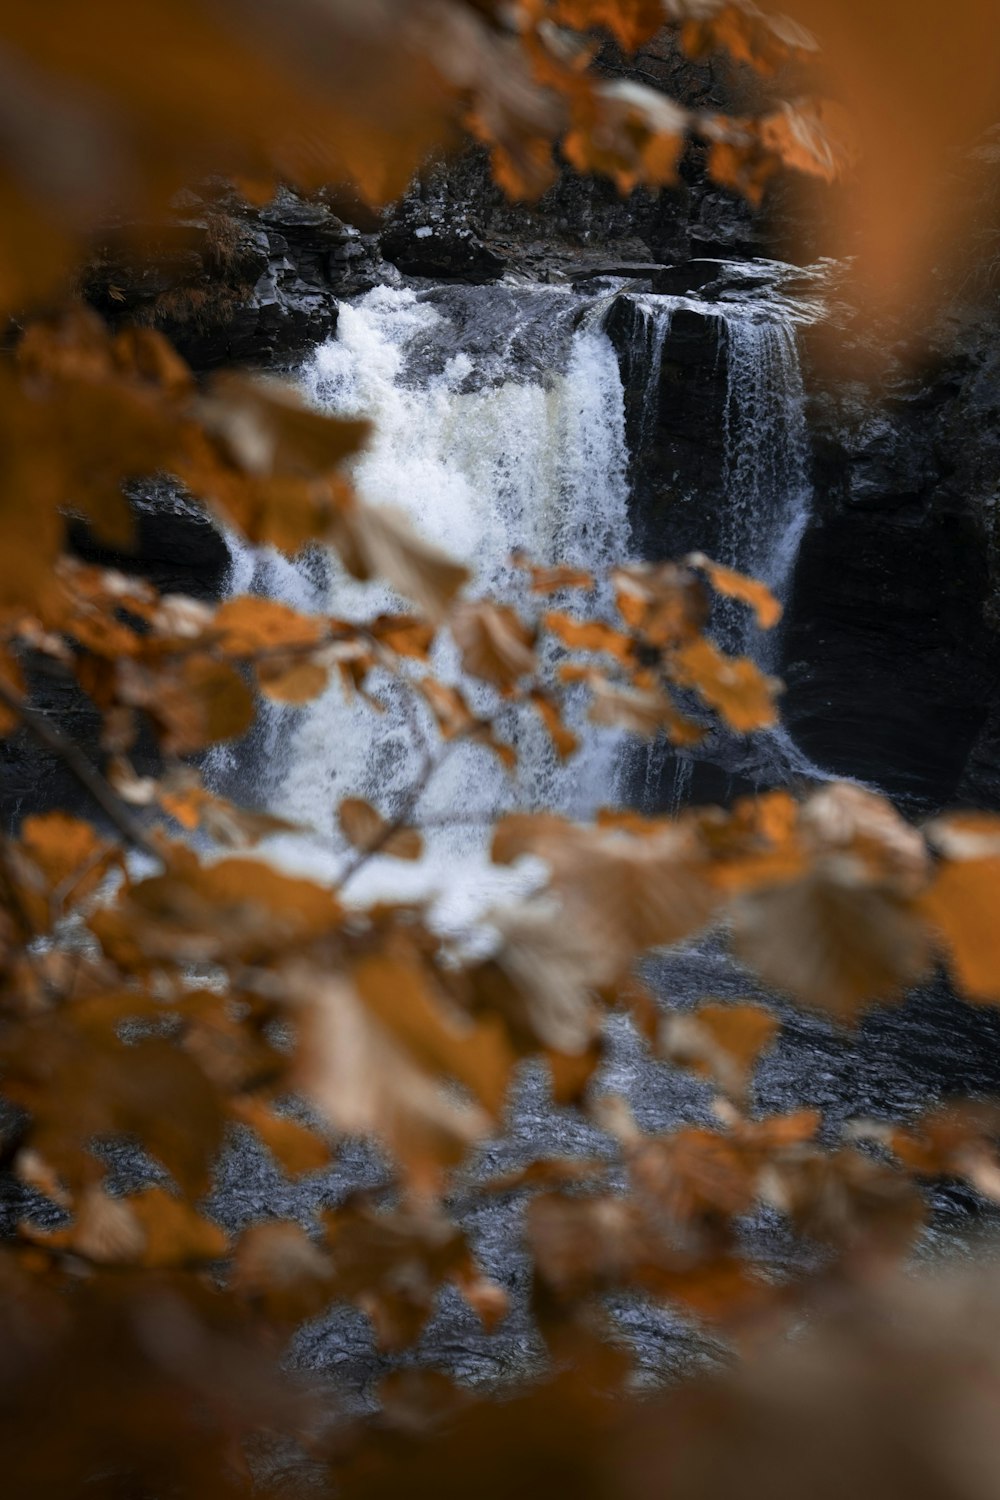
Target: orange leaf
(725,581)
(367,830)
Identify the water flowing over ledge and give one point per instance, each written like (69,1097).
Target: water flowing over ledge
(500,425)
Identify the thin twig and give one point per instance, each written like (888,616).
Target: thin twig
(80,767)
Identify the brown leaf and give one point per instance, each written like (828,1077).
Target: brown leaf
(666,603)
(589,635)
(78,1083)
(368,831)
(69,854)
(297,1149)
(733,686)
(280,1270)
(495,644)
(563,738)
(364,1079)
(248,625)
(720,1042)
(268,429)
(199,703)
(175,1234)
(562,576)
(725,581)
(627,893)
(694,1174)
(292,680)
(394,1264)
(380,542)
(632,22)
(961,904)
(233,909)
(12,678)
(832,940)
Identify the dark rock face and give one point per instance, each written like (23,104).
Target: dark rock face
(675,427)
(179,550)
(887,659)
(230,284)
(891,647)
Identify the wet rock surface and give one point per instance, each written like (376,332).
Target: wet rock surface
(891,648)
(179,550)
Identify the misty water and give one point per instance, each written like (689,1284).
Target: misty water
(500,425)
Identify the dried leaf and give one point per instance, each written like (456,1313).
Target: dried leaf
(380,542)
(736,586)
(495,644)
(720,1042)
(589,635)
(368,831)
(961,904)
(365,1081)
(626,893)
(832,940)
(733,686)
(297,1149)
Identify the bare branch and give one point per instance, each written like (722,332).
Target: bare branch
(80,767)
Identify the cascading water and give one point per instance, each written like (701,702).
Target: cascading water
(485,465)
(768,494)
(499,425)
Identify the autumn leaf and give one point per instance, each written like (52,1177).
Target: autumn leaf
(962,906)
(380,542)
(564,739)
(666,603)
(78,1085)
(195,704)
(561,576)
(12,679)
(393,1265)
(182,795)
(267,428)
(626,893)
(725,581)
(232,909)
(281,1272)
(720,1042)
(248,625)
(630,133)
(292,680)
(589,635)
(632,22)
(369,832)
(832,941)
(693,1174)
(365,1064)
(297,1149)
(69,854)
(733,686)
(495,644)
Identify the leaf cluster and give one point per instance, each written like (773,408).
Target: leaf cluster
(171,991)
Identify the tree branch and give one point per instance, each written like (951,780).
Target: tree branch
(73,758)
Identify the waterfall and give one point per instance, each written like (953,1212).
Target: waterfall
(499,424)
(768,490)
(766,483)
(486,464)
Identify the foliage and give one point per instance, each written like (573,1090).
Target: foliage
(153,992)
